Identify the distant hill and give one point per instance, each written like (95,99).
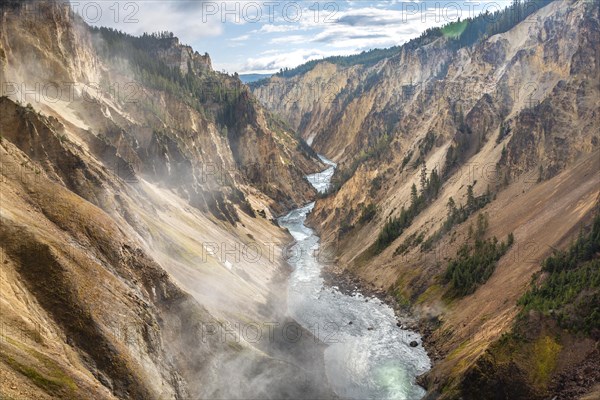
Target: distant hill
(248,78)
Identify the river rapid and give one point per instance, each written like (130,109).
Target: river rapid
(367,356)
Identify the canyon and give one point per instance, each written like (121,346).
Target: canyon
(442,135)
(168,232)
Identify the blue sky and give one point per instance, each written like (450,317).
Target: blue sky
(255,36)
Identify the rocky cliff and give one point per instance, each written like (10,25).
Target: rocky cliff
(446,149)
(137,241)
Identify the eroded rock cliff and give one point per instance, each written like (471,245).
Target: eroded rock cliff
(138,192)
(443,136)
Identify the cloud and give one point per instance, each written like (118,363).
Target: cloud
(358,28)
(269,63)
(321,29)
(271,28)
(290,39)
(333,36)
(369,19)
(185,18)
(242,38)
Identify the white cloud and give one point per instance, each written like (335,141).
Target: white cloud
(185,19)
(269,63)
(289,39)
(242,38)
(270,28)
(334,28)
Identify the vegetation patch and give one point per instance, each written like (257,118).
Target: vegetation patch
(456,152)
(545,353)
(53,381)
(570,287)
(454,30)
(406,159)
(402,300)
(394,226)
(376,185)
(368,213)
(457,214)
(402,288)
(431,292)
(504,132)
(524,361)
(235,346)
(412,240)
(475,262)
(425,147)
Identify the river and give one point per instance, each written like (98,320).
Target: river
(367,356)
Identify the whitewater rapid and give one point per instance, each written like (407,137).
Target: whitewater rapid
(367,356)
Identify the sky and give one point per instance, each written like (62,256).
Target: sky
(253,36)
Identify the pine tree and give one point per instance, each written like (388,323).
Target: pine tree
(423,178)
(470,198)
(434,184)
(451,208)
